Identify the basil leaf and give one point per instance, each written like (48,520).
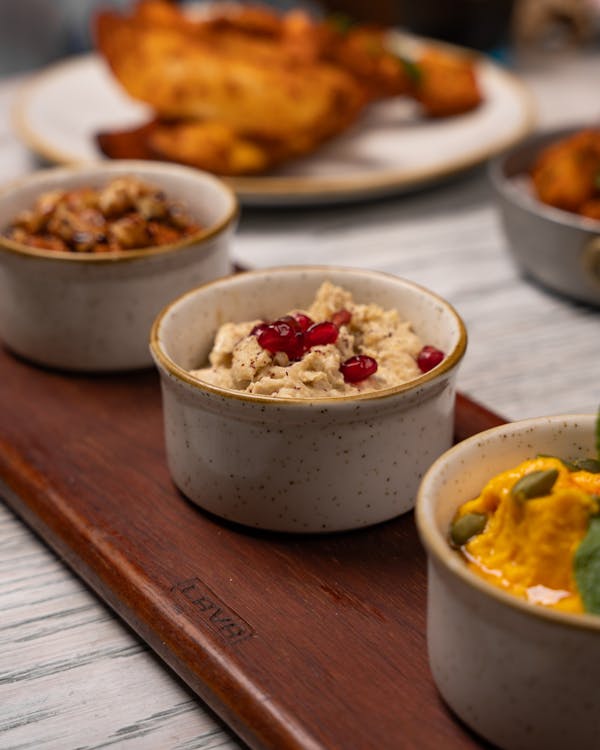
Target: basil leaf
(587,568)
(598,433)
(412,69)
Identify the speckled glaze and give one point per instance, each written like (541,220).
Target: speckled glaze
(94,312)
(559,249)
(301,465)
(523,676)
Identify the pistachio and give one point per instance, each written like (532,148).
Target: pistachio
(534,484)
(588,464)
(467,526)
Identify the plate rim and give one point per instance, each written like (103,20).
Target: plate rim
(281,189)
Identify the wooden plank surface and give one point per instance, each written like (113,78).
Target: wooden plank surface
(290,639)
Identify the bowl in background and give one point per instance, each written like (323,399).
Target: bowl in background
(93,311)
(521,675)
(559,249)
(300,465)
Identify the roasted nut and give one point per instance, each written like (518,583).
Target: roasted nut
(124,215)
(130,232)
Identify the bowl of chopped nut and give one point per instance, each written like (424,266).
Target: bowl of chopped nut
(307,399)
(89,255)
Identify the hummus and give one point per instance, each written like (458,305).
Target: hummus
(528,538)
(237,360)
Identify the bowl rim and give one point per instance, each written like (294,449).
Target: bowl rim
(438,548)
(528,202)
(179,373)
(122,166)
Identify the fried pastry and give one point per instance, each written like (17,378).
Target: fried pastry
(241,89)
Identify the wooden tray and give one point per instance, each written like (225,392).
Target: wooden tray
(296,642)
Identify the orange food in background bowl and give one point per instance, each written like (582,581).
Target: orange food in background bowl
(566,174)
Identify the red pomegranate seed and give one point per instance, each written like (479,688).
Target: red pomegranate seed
(358,368)
(279,337)
(297,352)
(290,320)
(258,328)
(320,334)
(429,357)
(341,317)
(303,321)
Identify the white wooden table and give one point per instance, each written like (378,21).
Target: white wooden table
(71,674)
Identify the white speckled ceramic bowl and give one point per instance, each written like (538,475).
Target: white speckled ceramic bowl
(92,312)
(523,676)
(302,465)
(559,249)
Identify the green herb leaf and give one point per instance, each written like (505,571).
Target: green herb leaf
(587,568)
(341,22)
(413,71)
(598,433)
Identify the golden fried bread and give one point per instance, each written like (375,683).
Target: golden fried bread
(209,145)
(445,84)
(233,79)
(240,89)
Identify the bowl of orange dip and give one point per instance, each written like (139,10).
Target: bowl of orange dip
(510,520)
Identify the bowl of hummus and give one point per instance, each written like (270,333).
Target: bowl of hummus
(509,520)
(306,399)
(90,254)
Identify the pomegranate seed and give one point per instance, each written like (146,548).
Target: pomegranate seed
(290,321)
(358,368)
(341,317)
(278,337)
(258,328)
(429,357)
(303,321)
(320,334)
(297,352)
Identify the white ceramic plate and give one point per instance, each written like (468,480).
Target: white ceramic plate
(390,150)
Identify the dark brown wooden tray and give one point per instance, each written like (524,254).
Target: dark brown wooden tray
(296,642)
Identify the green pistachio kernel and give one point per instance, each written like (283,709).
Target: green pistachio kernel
(535,484)
(467,526)
(592,465)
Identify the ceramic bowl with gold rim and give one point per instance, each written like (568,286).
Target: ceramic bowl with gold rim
(93,311)
(558,249)
(523,675)
(302,464)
